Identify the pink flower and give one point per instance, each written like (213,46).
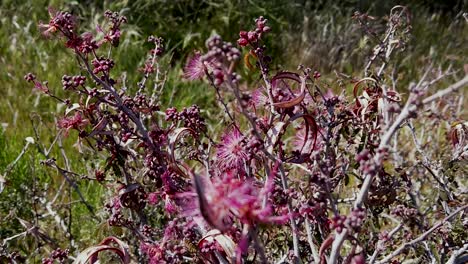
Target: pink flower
(243,199)
(195,68)
(304,143)
(153,198)
(41,86)
(75,122)
(230,153)
(259,98)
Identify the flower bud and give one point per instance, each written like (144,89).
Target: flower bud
(242,42)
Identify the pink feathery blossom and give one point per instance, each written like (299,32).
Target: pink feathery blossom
(75,122)
(259,99)
(230,153)
(195,68)
(242,199)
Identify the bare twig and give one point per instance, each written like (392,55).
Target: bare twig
(454,258)
(64,173)
(310,240)
(421,238)
(10,166)
(405,113)
(452,88)
(380,243)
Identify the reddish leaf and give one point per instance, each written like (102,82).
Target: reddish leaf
(295,77)
(90,255)
(356,87)
(310,125)
(276,132)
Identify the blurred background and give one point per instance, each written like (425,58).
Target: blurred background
(318,34)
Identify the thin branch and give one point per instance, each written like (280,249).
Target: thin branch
(405,113)
(454,258)
(452,88)
(136,120)
(380,243)
(312,245)
(64,173)
(422,237)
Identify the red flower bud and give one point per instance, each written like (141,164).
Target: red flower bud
(243,34)
(252,36)
(242,42)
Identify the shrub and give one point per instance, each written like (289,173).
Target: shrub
(301,172)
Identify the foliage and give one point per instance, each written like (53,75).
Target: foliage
(287,166)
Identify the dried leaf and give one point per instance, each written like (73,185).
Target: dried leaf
(311,127)
(226,243)
(71,108)
(295,77)
(276,132)
(90,255)
(356,87)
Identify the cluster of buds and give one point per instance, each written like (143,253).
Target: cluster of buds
(158,42)
(103,65)
(30,77)
(366,164)
(114,17)
(220,50)
(172,114)
(190,116)
(57,255)
(62,21)
(138,103)
(116,216)
(71,82)
(219,54)
(147,231)
(218,76)
(405,212)
(252,37)
(88,44)
(113,36)
(356,219)
(60,254)
(363,156)
(338,223)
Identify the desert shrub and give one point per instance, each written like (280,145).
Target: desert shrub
(291,168)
